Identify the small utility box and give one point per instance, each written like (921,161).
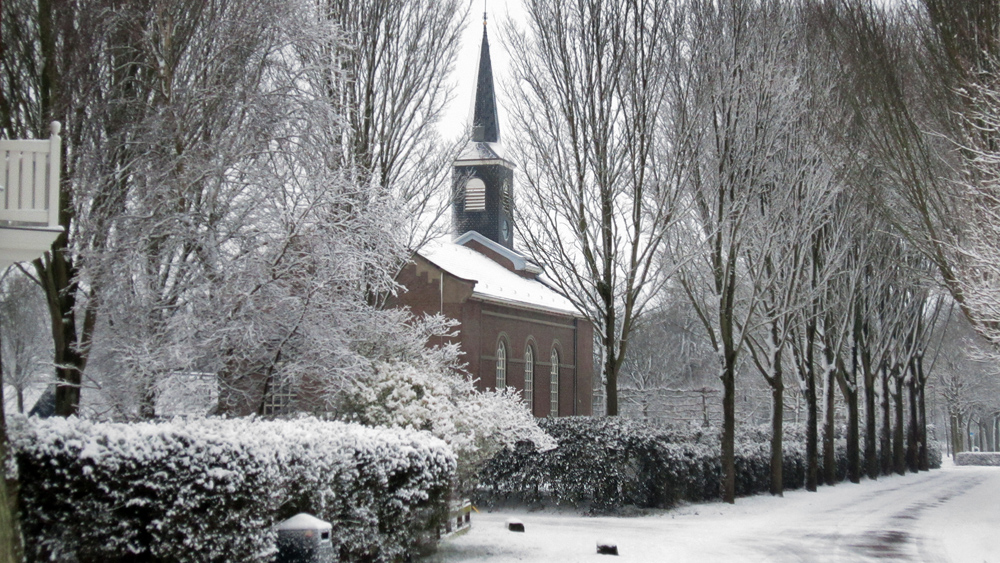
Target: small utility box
(303,538)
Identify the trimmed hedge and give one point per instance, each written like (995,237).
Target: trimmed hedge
(211,490)
(977,458)
(603,464)
(607,464)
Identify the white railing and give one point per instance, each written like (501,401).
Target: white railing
(29,181)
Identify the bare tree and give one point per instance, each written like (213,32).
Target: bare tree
(47,75)
(915,74)
(246,242)
(390,73)
(203,95)
(143,88)
(966,379)
(746,111)
(26,346)
(599,151)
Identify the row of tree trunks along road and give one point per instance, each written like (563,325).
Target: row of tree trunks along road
(816,180)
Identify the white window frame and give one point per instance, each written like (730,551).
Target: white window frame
(554,384)
(501,365)
(279,397)
(529,378)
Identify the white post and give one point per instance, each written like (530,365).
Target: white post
(55,157)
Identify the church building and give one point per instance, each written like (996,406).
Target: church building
(515,330)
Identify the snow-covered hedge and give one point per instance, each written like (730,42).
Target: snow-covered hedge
(211,490)
(605,464)
(977,458)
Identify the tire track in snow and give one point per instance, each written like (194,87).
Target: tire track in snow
(875,525)
(883,526)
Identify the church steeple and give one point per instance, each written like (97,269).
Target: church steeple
(485,124)
(482,185)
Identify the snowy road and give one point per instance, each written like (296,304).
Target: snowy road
(951,514)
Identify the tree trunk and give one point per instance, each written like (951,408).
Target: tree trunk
(55,270)
(729,428)
(812,426)
(611,380)
(829,418)
(912,435)
(853,439)
(147,402)
(854,469)
(57,276)
(958,440)
(886,441)
(829,431)
(947,439)
(10,529)
(898,451)
(923,454)
(968,435)
(777,416)
(989,436)
(863,360)
(871,432)
(996,433)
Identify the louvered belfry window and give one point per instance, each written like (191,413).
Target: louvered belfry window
(475,195)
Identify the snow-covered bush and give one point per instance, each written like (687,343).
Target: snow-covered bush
(934,455)
(415,386)
(476,424)
(977,458)
(606,464)
(211,490)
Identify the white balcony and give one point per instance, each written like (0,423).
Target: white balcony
(29,197)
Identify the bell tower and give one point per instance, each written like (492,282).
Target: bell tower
(482,180)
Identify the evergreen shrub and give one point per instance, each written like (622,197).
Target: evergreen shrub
(211,490)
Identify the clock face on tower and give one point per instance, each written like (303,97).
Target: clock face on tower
(504,229)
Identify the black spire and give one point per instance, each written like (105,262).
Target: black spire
(485,124)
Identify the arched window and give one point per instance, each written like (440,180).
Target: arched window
(529,378)
(554,385)
(501,365)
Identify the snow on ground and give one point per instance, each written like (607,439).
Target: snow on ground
(951,514)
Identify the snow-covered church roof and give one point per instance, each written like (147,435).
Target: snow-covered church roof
(493,282)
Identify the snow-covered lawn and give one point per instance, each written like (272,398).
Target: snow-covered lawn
(951,514)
